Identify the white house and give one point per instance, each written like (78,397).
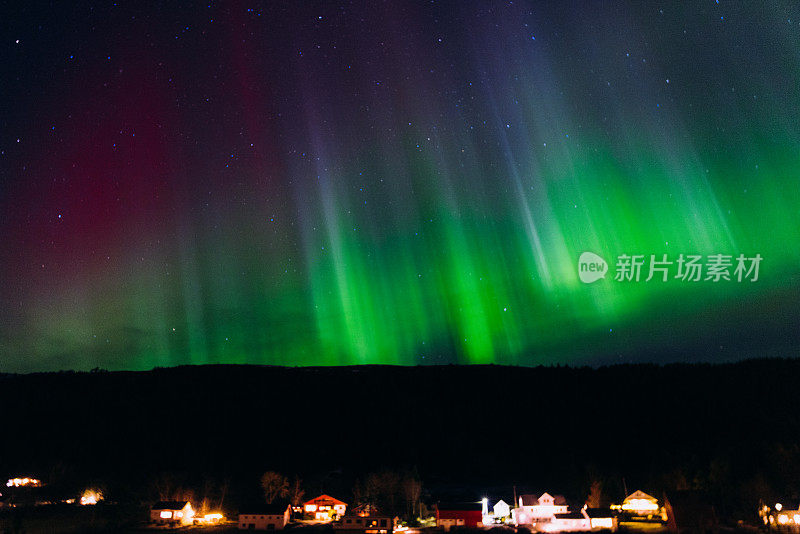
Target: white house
(265,517)
(538,508)
(500,512)
(172,513)
(501,509)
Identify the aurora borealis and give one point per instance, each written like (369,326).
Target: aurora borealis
(327,183)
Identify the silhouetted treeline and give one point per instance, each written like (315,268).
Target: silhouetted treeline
(732,431)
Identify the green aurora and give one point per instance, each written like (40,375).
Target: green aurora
(415,190)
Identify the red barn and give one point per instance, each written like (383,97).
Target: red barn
(459,514)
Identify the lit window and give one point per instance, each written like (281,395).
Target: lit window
(166,514)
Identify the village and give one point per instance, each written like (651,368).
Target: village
(526,512)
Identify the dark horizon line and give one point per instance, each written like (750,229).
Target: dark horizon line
(556,365)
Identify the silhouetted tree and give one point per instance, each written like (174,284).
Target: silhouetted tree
(392,492)
(275,486)
(595,497)
(412,489)
(171,487)
(296,492)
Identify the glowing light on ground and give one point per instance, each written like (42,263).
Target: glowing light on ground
(91,496)
(23,482)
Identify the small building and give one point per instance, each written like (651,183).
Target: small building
(324,508)
(569,521)
(264,517)
(172,513)
(500,513)
(538,508)
(501,509)
(459,514)
(602,518)
(365,519)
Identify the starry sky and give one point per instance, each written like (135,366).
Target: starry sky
(396,182)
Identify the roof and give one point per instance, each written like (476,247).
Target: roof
(533,499)
(325,500)
(170,505)
(265,509)
(570,515)
(638,494)
(596,513)
(460,506)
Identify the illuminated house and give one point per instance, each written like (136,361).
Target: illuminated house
(640,503)
(265,517)
(172,513)
(469,514)
(601,518)
(538,508)
(780,517)
(91,497)
(365,519)
(324,508)
(23,482)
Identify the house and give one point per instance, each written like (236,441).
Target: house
(602,518)
(463,514)
(324,508)
(501,509)
(172,513)
(365,519)
(538,508)
(639,506)
(499,514)
(569,521)
(23,482)
(264,517)
(640,503)
(781,517)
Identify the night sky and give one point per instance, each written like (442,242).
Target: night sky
(326,183)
